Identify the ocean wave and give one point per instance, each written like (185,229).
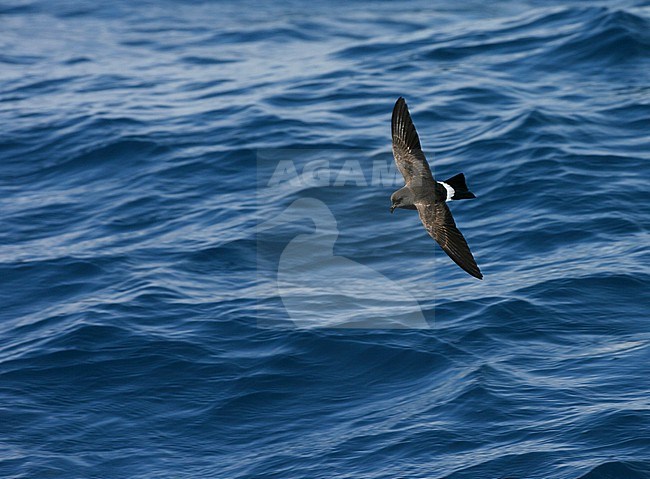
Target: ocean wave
(146,328)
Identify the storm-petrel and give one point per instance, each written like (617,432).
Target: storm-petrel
(424,193)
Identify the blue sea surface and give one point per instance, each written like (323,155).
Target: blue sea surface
(159,318)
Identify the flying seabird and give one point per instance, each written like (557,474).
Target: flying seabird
(424,193)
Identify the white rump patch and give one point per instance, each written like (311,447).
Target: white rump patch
(450,191)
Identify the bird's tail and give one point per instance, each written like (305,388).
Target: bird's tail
(461,191)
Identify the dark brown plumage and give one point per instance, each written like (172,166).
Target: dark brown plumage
(427,195)
(407,150)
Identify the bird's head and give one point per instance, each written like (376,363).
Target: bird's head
(402,198)
(394,202)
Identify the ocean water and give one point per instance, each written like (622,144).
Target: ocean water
(200,276)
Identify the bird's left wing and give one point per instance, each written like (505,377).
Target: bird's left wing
(406,148)
(437,220)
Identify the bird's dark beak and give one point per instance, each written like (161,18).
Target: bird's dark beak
(392,208)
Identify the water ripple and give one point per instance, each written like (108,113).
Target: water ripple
(145,329)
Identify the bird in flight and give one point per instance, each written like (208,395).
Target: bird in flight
(426,195)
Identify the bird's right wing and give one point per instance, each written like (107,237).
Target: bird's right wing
(437,220)
(406,147)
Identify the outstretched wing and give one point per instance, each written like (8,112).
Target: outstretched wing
(406,147)
(439,223)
